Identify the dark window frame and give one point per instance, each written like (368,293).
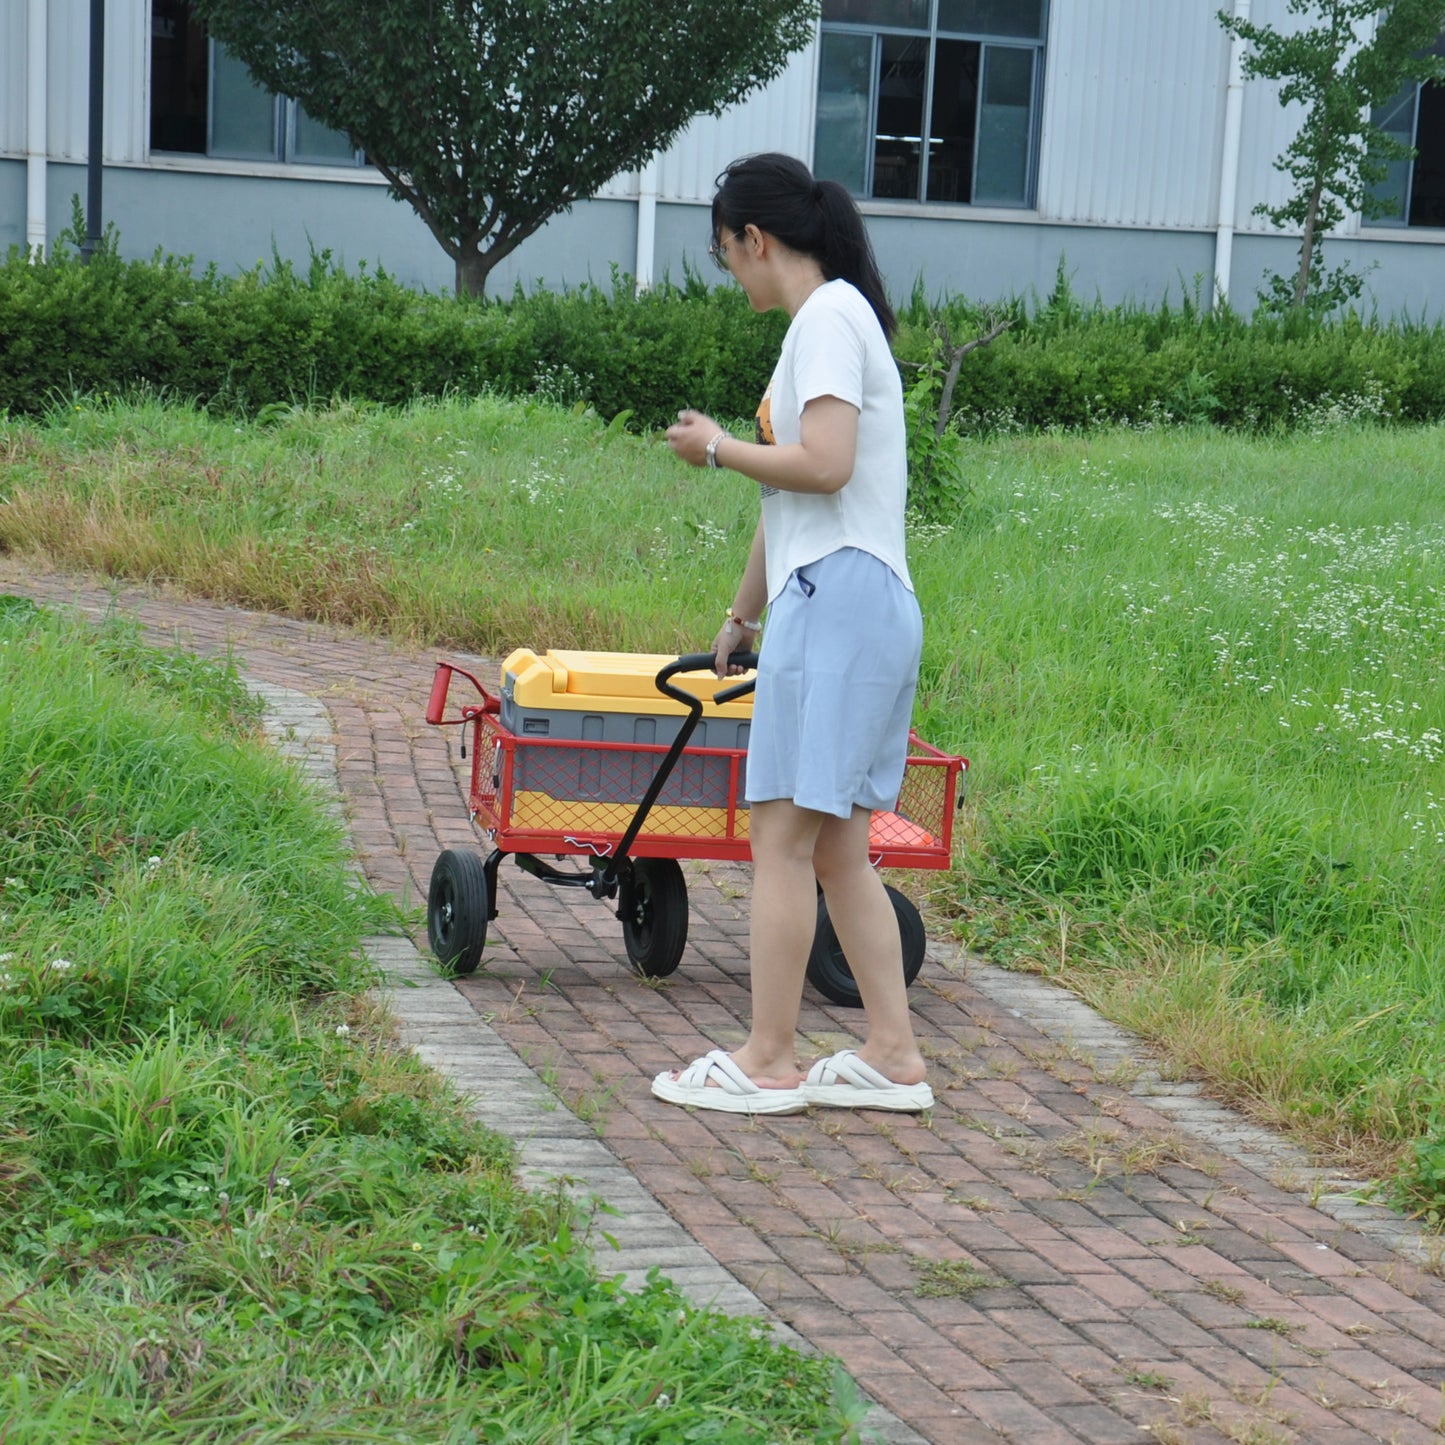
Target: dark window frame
(198,126)
(1424,211)
(932,36)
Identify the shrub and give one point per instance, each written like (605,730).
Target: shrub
(279,335)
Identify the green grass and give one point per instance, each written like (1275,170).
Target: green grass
(1206,682)
(475,523)
(1199,676)
(229,1207)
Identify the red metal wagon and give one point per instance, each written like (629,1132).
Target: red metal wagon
(615,781)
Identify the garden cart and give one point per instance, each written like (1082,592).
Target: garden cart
(606,758)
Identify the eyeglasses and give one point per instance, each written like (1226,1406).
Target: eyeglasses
(719,252)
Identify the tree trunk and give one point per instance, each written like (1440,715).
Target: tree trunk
(955,364)
(1307,246)
(472,272)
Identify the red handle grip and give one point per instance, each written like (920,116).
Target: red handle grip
(441,685)
(437,704)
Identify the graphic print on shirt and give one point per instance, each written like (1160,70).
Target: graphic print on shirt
(763,426)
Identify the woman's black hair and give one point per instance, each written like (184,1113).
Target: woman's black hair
(777,194)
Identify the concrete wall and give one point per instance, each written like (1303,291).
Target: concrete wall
(988,260)
(234,220)
(12,204)
(1127,196)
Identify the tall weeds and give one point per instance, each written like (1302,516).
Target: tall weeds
(1199,674)
(229,1207)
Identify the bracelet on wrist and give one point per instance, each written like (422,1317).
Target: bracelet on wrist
(712,447)
(733,620)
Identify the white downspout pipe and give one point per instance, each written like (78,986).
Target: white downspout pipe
(1229,162)
(37,148)
(646,225)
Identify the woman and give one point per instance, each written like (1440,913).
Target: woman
(840,664)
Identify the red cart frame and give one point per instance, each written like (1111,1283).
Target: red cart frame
(623,819)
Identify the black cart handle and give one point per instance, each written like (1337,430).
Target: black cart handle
(692,662)
(696,662)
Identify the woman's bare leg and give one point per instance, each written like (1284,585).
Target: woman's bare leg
(867,930)
(780,937)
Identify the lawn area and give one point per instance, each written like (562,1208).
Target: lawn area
(1200,675)
(230,1208)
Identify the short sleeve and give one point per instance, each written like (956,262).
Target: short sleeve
(829,357)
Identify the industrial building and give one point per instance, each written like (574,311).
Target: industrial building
(1114,137)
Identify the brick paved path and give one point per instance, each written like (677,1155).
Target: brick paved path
(1048,1257)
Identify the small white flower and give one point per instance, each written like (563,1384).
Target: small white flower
(14,883)
(224,1197)
(282,1182)
(663,1400)
(342,1030)
(6,957)
(60,965)
(416,1248)
(154,861)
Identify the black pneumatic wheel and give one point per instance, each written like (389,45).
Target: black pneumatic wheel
(458,905)
(652,905)
(828,969)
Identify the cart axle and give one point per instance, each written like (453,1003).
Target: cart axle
(597,882)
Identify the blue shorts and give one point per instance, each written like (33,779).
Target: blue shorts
(836,678)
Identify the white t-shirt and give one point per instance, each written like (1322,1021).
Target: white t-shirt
(835,347)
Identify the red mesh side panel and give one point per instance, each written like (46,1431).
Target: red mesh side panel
(582,796)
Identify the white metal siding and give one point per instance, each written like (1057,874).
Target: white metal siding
(777,118)
(127,77)
(68,72)
(68,78)
(1133,116)
(1133,108)
(1268,128)
(12,77)
(1131,122)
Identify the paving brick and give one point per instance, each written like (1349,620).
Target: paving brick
(1042,1384)
(1009,1413)
(1096,1425)
(1103,1282)
(1071,1303)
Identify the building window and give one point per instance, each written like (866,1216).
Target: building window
(1414,190)
(204,102)
(965,73)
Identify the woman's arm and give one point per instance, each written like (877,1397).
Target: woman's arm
(821,461)
(749,601)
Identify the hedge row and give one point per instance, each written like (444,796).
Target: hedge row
(279,334)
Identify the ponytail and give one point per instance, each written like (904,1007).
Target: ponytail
(777,194)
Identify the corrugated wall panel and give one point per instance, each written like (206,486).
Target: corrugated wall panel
(1268,128)
(127,68)
(68,76)
(1133,103)
(127,42)
(777,118)
(12,78)
(1132,113)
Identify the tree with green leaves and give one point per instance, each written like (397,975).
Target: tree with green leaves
(1348,57)
(491,116)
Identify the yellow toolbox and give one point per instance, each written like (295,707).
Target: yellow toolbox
(607,706)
